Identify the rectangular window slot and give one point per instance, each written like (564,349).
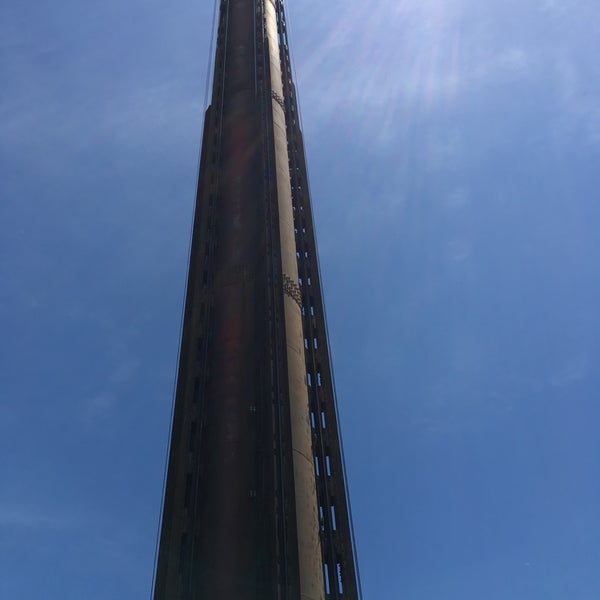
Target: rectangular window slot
(315,343)
(319,379)
(317,470)
(333,521)
(327,586)
(328,465)
(338,568)
(323,423)
(306,343)
(303,311)
(312,311)
(313,421)
(309,379)
(322,518)
(308,280)
(300,281)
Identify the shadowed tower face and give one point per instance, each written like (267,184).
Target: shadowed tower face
(255,504)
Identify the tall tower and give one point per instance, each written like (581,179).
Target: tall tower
(256,504)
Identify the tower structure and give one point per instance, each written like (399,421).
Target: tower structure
(256,504)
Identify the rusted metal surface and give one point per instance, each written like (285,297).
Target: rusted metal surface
(241,518)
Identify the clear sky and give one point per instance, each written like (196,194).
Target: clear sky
(454,151)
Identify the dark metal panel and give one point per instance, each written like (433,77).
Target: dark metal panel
(217,531)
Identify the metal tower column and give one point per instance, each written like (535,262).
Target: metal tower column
(255,501)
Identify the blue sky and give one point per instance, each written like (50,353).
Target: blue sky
(453,148)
